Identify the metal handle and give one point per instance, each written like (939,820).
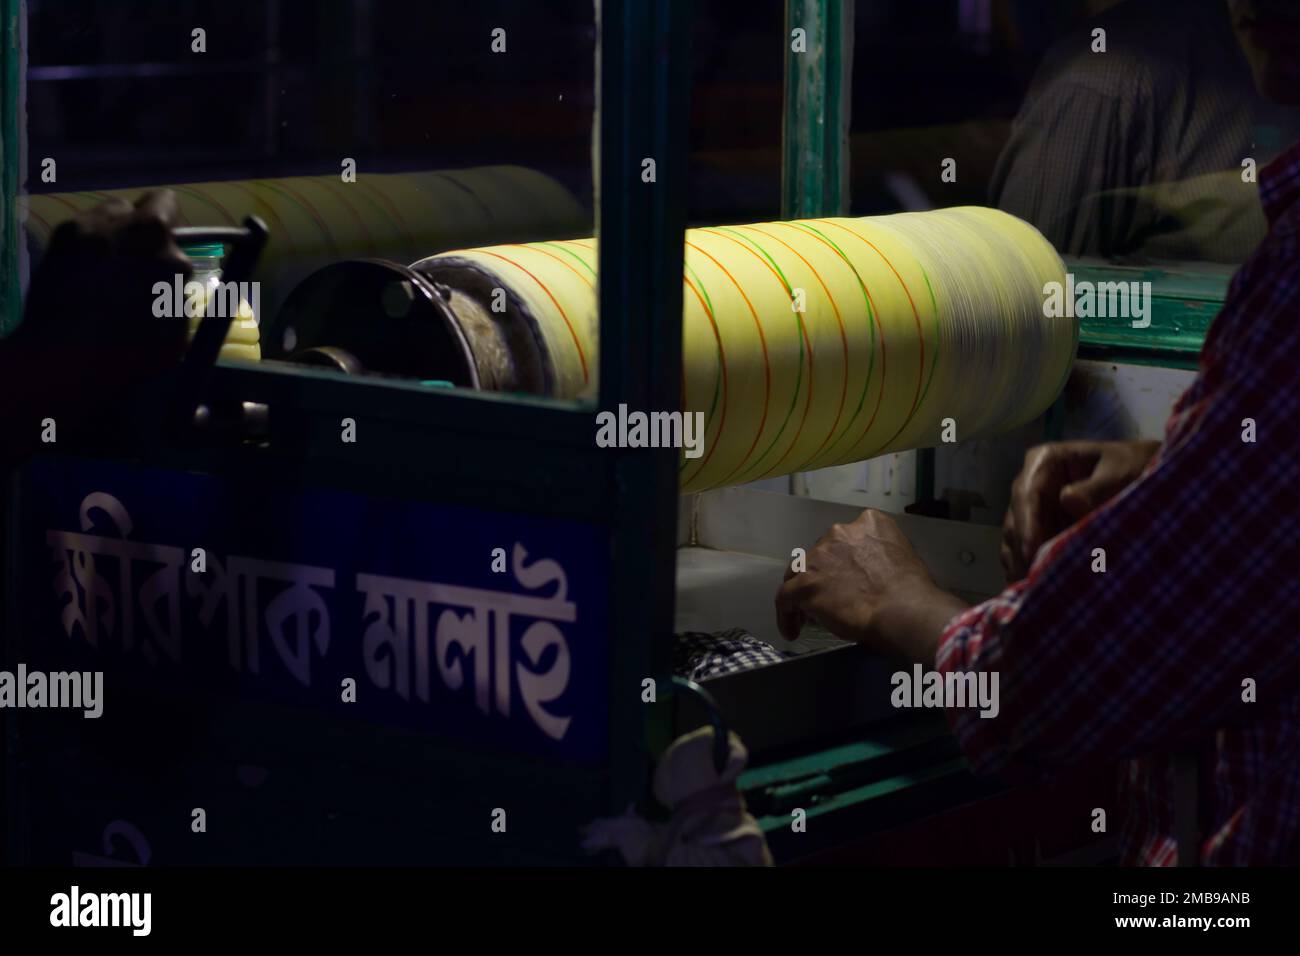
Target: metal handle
(721,734)
(246,245)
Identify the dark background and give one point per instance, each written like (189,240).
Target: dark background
(289,87)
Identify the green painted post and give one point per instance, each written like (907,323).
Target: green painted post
(11,158)
(815,130)
(643,107)
(815,123)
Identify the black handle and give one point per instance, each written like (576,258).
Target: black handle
(246,245)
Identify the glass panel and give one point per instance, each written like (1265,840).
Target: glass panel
(1128,132)
(378,130)
(735,134)
(1119,129)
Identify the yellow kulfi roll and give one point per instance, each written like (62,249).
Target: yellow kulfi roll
(819,342)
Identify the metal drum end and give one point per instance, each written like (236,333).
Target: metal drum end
(373,316)
(503,334)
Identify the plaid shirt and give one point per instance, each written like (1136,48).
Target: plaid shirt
(1200,593)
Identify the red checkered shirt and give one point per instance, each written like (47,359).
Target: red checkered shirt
(1200,596)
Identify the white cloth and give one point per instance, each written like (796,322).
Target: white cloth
(710,825)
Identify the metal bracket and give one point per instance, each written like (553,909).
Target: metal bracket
(196,369)
(721,733)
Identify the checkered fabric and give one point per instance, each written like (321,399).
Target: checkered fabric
(699,655)
(1191,635)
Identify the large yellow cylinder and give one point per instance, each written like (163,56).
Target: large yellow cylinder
(820,342)
(317,220)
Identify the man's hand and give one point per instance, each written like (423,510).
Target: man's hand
(1061,483)
(864,583)
(89,332)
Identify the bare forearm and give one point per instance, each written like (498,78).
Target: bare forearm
(909,627)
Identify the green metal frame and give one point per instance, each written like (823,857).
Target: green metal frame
(644,102)
(530,455)
(12,147)
(1184,302)
(521,454)
(815,126)
(527,454)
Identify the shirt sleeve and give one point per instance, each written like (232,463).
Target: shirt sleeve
(1156,618)
(1076,139)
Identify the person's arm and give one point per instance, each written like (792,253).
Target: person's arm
(1077,136)
(1160,616)
(1139,628)
(864,583)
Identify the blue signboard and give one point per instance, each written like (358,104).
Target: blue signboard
(483,628)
